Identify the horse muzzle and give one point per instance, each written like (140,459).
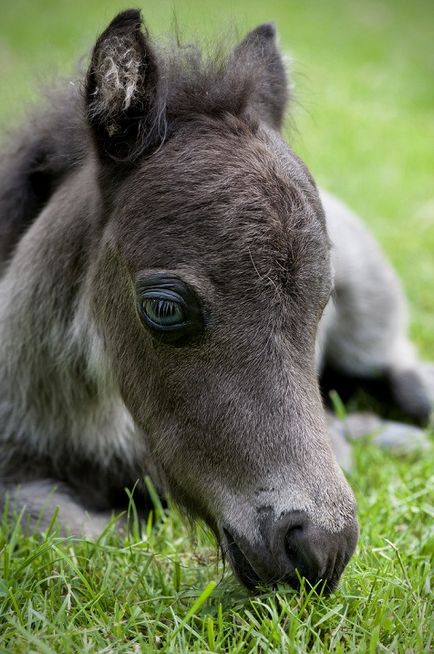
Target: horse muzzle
(289,549)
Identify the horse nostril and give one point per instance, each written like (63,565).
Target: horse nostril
(292,538)
(316,554)
(293,531)
(299,551)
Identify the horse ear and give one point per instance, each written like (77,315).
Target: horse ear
(270,95)
(124,103)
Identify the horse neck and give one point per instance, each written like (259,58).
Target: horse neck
(50,384)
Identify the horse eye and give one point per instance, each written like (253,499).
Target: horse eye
(162,312)
(170,309)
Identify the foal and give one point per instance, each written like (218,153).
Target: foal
(167,306)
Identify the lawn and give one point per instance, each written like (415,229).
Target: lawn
(363,121)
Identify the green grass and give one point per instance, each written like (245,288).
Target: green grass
(363,73)
(139,595)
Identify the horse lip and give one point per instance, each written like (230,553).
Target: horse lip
(252,575)
(240,563)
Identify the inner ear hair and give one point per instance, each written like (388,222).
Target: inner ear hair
(117,74)
(122,89)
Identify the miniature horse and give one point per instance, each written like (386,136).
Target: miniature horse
(168,304)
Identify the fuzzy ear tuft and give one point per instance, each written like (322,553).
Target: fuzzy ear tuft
(270,96)
(124,103)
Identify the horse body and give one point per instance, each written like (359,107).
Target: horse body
(165,267)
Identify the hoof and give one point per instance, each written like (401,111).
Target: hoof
(340,445)
(401,438)
(427,373)
(396,436)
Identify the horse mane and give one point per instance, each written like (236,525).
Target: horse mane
(210,84)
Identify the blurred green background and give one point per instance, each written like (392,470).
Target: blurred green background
(363,118)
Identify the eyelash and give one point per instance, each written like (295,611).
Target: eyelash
(163,312)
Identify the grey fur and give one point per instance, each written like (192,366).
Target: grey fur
(184,173)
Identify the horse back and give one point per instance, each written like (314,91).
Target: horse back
(37,158)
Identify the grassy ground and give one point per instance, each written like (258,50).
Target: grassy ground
(363,73)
